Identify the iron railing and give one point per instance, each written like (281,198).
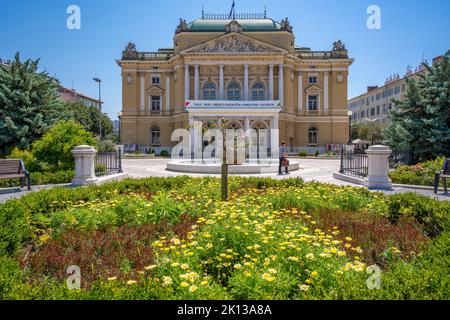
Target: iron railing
(108,163)
(354,163)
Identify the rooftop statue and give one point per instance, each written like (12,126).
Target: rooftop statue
(234,26)
(182,27)
(130,51)
(286,25)
(338,46)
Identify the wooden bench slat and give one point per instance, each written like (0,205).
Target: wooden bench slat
(12,176)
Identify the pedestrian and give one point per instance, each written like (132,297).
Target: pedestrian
(283,159)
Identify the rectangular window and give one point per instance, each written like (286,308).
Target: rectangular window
(312,79)
(313,103)
(313,138)
(378,109)
(156,104)
(156,80)
(156,138)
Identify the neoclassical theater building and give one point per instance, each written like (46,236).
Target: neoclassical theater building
(246,69)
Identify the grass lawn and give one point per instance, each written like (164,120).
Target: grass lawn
(174,239)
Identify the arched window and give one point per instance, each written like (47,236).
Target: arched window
(258,92)
(156,136)
(234,91)
(209,91)
(313,137)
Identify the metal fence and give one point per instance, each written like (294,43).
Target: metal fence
(108,163)
(354,163)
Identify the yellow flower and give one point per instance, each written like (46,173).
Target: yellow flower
(268,277)
(150,267)
(314,274)
(193,288)
(272,271)
(112,279)
(238,266)
(348,239)
(131,282)
(184,284)
(184,266)
(175,264)
(295,259)
(310,256)
(167,281)
(304,287)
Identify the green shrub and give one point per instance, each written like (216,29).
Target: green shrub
(303,154)
(433,214)
(42,178)
(164,153)
(29,160)
(55,148)
(317,153)
(421,174)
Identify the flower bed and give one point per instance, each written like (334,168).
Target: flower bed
(174,239)
(421,174)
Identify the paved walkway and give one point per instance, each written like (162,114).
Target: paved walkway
(310,170)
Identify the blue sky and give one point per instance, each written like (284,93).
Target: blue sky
(410,29)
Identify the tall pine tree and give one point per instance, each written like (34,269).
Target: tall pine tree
(29,104)
(422,123)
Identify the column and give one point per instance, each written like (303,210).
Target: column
(168,93)
(246,93)
(300,93)
(281,84)
(325,93)
(221,83)
(271,82)
(247,124)
(275,136)
(142,89)
(196,82)
(187,82)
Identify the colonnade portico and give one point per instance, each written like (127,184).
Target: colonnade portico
(247,118)
(246,96)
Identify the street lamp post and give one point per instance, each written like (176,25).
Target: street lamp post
(350,114)
(100,109)
(120,126)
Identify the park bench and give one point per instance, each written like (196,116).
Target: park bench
(14,169)
(444,174)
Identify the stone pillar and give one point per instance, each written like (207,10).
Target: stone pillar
(271,82)
(192,135)
(275,136)
(221,83)
(84,166)
(246,91)
(281,84)
(187,83)
(378,160)
(196,82)
(300,93)
(247,124)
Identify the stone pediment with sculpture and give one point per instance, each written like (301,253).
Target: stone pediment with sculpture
(234,43)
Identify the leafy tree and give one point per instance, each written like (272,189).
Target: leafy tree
(422,123)
(29,104)
(89,118)
(55,147)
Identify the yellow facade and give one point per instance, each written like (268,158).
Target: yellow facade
(236,60)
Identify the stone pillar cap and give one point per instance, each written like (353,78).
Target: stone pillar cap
(378,149)
(84,149)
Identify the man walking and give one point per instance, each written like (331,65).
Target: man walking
(283,158)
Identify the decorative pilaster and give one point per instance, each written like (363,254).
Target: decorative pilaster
(246,89)
(300,93)
(221,83)
(142,93)
(325,92)
(271,82)
(196,82)
(168,94)
(281,84)
(187,82)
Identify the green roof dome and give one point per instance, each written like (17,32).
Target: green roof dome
(220,25)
